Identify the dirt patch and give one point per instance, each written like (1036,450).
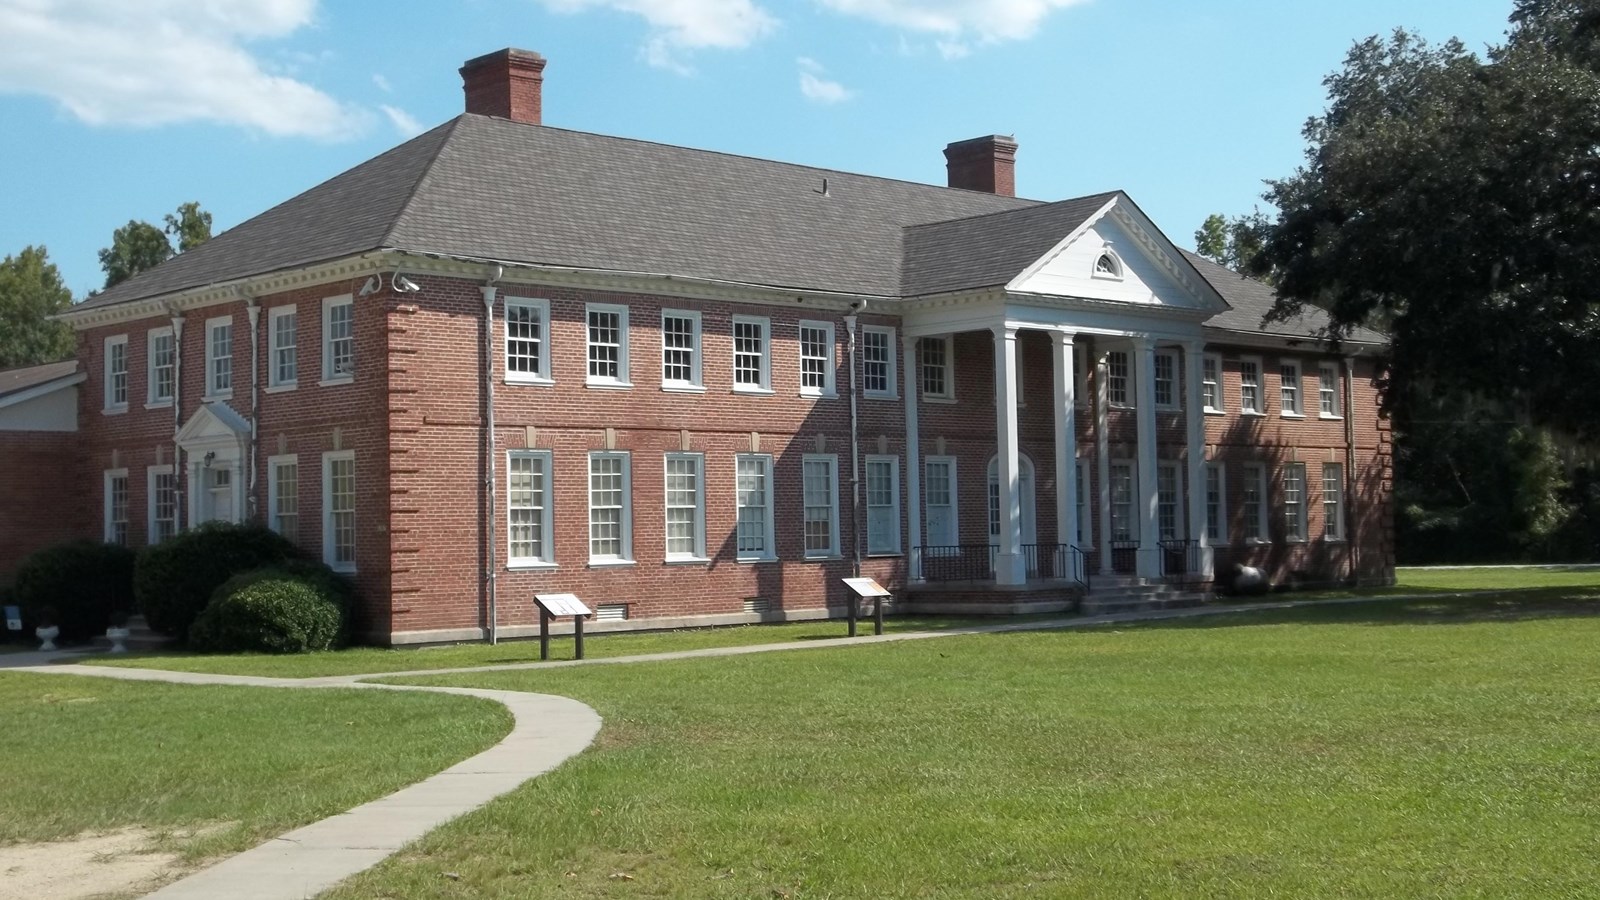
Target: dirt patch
(107,864)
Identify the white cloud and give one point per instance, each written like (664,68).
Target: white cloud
(819,89)
(403,122)
(680,26)
(158,62)
(956,21)
(382,83)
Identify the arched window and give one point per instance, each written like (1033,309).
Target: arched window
(1107,265)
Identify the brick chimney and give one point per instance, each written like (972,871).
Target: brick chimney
(506,83)
(985,164)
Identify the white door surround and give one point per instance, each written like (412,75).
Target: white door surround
(213,442)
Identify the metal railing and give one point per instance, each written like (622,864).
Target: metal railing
(1179,561)
(1125,557)
(957,562)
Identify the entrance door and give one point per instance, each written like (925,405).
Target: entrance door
(1025,489)
(216,502)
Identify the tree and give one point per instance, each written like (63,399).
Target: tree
(191,225)
(138,246)
(1234,242)
(31,290)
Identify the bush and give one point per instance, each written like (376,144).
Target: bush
(291,609)
(174,580)
(78,585)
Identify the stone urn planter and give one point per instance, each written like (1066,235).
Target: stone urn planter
(47,635)
(118,636)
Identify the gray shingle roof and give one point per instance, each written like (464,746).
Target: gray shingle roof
(1252,300)
(988,250)
(15,380)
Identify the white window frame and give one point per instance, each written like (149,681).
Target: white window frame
(1129,518)
(892,390)
(1216,503)
(1246,408)
(545,557)
(695,384)
(831,462)
(329,304)
(624,554)
(1291,405)
(1113,272)
(1171,357)
(828,358)
(215,389)
(1168,472)
(954,538)
(152,398)
(274,483)
(947,368)
(1333,510)
(892,540)
(697,553)
(620,380)
(1328,393)
(764,325)
(1080,372)
(1294,511)
(329,536)
(275,348)
(769,553)
(109,518)
(1211,378)
(1126,379)
(541,355)
(1085,511)
(151,473)
(1255,478)
(109,375)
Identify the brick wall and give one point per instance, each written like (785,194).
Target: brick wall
(43,499)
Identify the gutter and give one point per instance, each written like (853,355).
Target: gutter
(490,505)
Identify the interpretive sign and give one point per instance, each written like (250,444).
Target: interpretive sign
(866,589)
(554,606)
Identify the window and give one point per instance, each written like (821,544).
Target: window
(1250,386)
(610,521)
(1080,365)
(338,339)
(754,500)
(1328,390)
(1085,520)
(1253,497)
(686,507)
(939,477)
(1332,502)
(162,491)
(1123,525)
(820,497)
(680,350)
(608,345)
(219,357)
(116,373)
(162,367)
(116,507)
(816,359)
(1289,374)
(1166,364)
(883,504)
(752,370)
(283,361)
(1169,511)
(935,355)
(528,508)
(1211,382)
(1216,504)
(877,362)
(1106,265)
(527,351)
(1117,391)
(283,496)
(1294,502)
(339,510)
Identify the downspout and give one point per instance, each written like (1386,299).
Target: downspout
(253,310)
(180,472)
(1350,468)
(490,503)
(855,448)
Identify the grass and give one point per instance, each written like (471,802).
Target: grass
(84,754)
(368,660)
(1392,749)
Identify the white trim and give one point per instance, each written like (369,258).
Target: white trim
(829,358)
(765,361)
(1214,360)
(153,401)
(831,461)
(620,379)
(898,546)
(1259,409)
(275,383)
(1218,467)
(107,506)
(151,473)
(273,514)
(1172,398)
(1297,409)
(213,326)
(948,368)
(891,347)
(113,406)
(695,382)
(769,553)
(954,536)
(329,547)
(329,376)
(541,354)
(1116,269)
(545,557)
(697,552)
(624,554)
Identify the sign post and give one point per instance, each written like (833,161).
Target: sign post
(554,606)
(866,588)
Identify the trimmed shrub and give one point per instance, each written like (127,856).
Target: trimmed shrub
(174,580)
(78,585)
(272,610)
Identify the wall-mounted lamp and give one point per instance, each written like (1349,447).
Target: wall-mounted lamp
(373,283)
(404,285)
(210,457)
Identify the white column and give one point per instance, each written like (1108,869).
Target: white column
(1102,452)
(1066,442)
(1144,380)
(1009,566)
(1193,356)
(912,386)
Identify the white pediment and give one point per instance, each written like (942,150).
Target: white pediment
(1117,255)
(214,422)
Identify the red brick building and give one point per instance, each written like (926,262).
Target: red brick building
(504,358)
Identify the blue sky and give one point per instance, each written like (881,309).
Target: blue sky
(115,110)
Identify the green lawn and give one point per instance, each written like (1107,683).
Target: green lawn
(1441,748)
(82,754)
